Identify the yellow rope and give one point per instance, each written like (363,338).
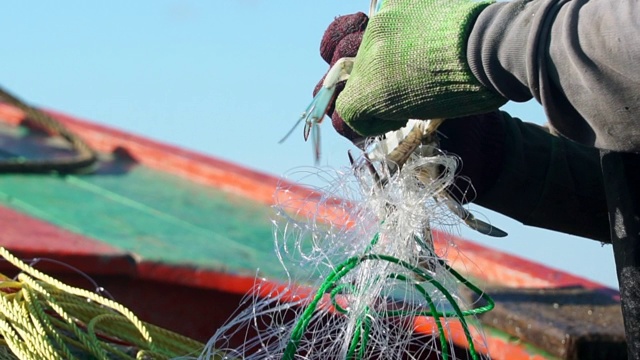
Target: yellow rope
(43,318)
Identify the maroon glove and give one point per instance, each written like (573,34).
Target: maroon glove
(478,140)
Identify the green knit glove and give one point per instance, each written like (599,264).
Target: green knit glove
(412,65)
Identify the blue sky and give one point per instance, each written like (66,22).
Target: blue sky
(225,78)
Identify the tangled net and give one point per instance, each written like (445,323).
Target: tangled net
(365,281)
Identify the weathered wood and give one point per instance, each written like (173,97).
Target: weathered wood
(571,323)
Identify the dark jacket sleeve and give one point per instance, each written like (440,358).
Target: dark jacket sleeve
(578,58)
(549,182)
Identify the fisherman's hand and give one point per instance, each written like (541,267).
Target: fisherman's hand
(342,39)
(412,65)
(478,140)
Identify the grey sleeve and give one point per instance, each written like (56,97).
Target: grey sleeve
(579,58)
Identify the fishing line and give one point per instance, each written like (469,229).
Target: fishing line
(358,281)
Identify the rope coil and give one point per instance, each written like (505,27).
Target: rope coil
(43,318)
(84,158)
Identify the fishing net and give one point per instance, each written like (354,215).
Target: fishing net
(365,280)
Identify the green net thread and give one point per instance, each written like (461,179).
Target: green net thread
(360,337)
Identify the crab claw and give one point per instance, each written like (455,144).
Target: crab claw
(317,109)
(374,7)
(471,221)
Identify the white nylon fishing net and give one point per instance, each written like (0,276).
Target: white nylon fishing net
(365,281)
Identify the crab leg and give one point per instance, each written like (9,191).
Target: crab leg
(317,109)
(471,221)
(374,7)
(404,143)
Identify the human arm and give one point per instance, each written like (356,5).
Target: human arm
(515,168)
(536,178)
(577,58)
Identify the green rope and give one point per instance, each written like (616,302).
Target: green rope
(359,340)
(301,326)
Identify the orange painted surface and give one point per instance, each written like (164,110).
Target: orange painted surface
(29,238)
(497,347)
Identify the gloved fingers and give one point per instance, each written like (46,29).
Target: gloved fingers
(340,28)
(343,129)
(412,65)
(341,39)
(346,46)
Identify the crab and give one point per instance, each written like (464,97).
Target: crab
(317,109)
